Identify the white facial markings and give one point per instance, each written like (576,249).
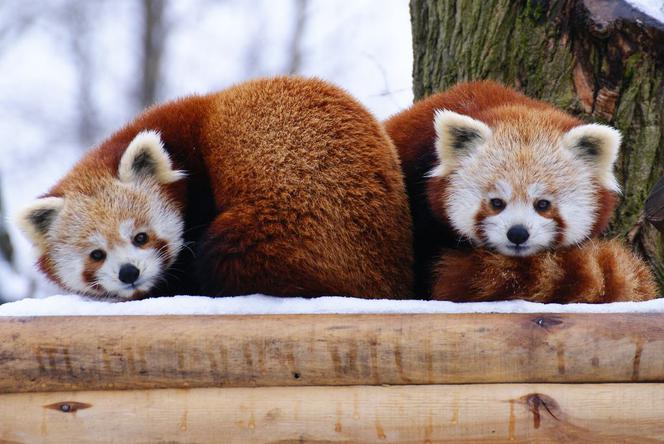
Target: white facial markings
(168,225)
(521,171)
(101,222)
(541,230)
(126,229)
(503,190)
(97,240)
(536,191)
(463,203)
(69,267)
(578,211)
(126,253)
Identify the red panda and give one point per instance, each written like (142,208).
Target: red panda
(283,186)
(493,170)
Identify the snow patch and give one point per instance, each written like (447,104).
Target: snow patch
(261,305)
(653,8)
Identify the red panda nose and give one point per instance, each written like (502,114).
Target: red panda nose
(129,274)
(518,234)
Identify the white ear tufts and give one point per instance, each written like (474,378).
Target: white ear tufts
(598,145)
(456,136)
(146,157)
(36,219)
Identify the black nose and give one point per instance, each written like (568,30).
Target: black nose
(518,234)
(129,274)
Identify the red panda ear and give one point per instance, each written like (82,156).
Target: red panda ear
(36,219)
(145,157)
(456,136)
(597,145)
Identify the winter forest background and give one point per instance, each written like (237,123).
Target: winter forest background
(73,71)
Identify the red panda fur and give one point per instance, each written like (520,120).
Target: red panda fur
(597,271)
(292,188)
(413,132)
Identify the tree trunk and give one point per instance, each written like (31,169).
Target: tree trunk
(295,50)
(152,46)
(6,250)
(601,60)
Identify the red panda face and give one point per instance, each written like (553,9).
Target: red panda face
(523,186)
(118,241)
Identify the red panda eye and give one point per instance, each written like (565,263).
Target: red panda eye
(141,239)
(98,255)
(497,204)
(542,205)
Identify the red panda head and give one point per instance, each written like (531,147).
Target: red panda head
(526,183)
(115,236)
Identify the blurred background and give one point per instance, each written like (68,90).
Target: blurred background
(73,71)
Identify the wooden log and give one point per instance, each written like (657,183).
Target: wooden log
(500,413)
(101,353)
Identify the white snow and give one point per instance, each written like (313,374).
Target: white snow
(260,305)
(654,8)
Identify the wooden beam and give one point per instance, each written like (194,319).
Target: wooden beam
(99,353)
(500,413)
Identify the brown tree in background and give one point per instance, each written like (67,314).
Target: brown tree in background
(153,43)
(76,19)
(6,250)
(601,60)
(295,50)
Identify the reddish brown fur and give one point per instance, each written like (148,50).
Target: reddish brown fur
(89,271)
(560,223)
(597,271)
(414,135)
(292,188)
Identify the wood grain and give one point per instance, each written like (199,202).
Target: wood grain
(499,413)
(100,353)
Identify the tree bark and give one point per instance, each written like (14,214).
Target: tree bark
(152,46)
(6,250)
(77,17)
(601,60)
(295,50)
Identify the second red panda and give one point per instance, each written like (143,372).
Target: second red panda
(491,169)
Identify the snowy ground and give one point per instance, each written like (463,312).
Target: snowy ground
(258,304)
